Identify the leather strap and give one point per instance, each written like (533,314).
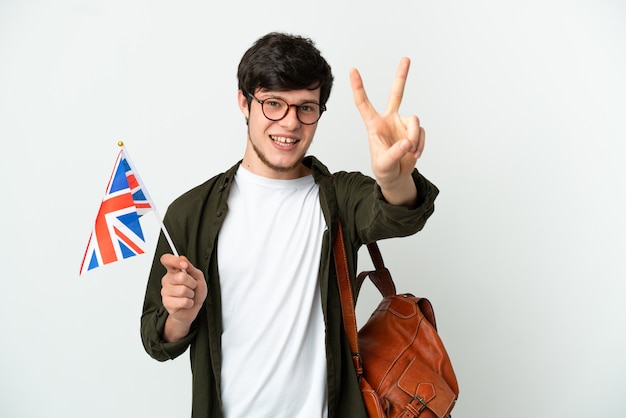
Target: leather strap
(380,277)
(347,300)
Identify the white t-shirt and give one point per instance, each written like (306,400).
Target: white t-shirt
(273,344)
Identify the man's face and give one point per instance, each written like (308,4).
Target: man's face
(275,149)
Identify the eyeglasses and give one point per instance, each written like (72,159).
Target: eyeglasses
(276,109)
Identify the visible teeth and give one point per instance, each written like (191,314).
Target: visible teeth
(284,140)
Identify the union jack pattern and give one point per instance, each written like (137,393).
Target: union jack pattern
(117,232)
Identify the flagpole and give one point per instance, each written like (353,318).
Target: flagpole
(145,192)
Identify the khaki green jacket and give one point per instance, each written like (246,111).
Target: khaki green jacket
(194,220)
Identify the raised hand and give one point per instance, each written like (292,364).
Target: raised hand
(396,142)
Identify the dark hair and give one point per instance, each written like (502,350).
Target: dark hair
(280,61)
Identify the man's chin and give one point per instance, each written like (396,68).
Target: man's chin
(281,167)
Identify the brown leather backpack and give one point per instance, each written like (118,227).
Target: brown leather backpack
(402,365)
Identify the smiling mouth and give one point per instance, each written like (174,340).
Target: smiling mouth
(282,141)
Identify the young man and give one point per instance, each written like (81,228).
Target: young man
(255,293)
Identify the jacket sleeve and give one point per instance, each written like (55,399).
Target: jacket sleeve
(371,218)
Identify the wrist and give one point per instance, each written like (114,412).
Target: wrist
(175,329)
(400,192)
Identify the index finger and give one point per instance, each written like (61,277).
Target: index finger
(366,109)
(174,263)
(397,88)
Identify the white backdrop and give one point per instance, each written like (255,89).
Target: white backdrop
(524,105)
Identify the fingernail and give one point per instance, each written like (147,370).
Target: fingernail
(407,146)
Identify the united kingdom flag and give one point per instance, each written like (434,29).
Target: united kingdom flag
(117,232)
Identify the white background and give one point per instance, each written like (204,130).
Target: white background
(524,104)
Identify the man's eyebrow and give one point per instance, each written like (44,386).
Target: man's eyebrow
(273,95)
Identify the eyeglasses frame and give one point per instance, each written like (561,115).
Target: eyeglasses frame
(289,106)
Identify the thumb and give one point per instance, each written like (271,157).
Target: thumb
(398,150)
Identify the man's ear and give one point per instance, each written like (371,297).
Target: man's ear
(242,101)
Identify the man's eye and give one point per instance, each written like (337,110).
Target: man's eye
(274,103)
(308,108)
